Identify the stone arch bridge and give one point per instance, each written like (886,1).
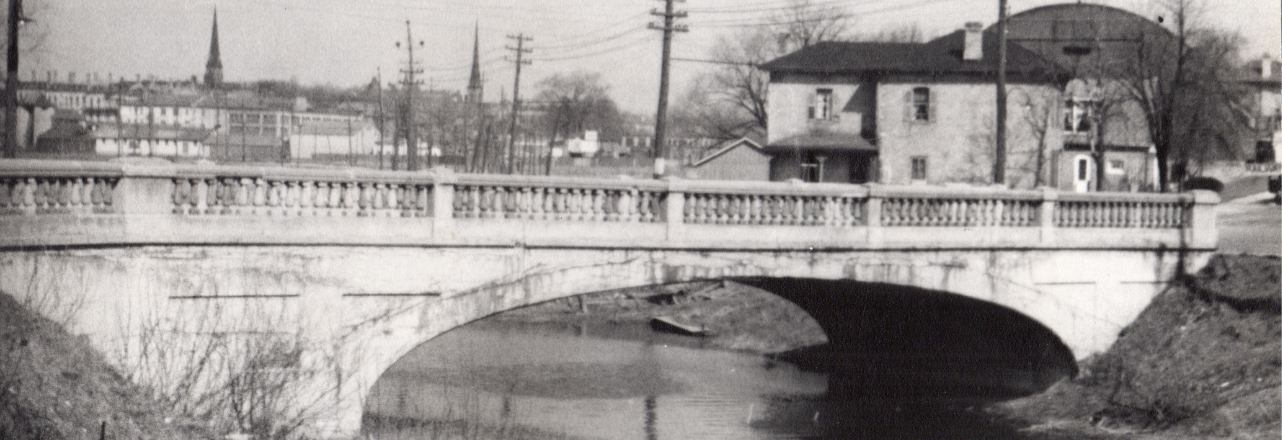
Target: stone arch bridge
(364,265)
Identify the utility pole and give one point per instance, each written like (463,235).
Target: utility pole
(516,96)
(381,117)
(999,163)
(11,82)
(661,116)
(411,141)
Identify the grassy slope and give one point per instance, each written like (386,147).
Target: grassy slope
(1202,361)
(55,386)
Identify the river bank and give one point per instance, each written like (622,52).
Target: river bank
(1202,361)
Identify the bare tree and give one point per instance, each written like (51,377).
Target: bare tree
(739,86)
(1174,76)
(575,102)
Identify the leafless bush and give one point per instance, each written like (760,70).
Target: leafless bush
(239,369)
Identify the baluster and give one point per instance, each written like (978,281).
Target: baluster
(305,198)
(792,212)
(557,200)
(623,205)
(259,200)
(6,193)
(474,202)
(571,204)
(536,203)
(701,209)
(640,207)
(597,198)
(397,202)
(331,197)
(547,203)
(200,196)
(181,187)
(524,210)
(349,202)
(745,209)
(42,195)
(74,190)
(422,204)
(709,208)
(244,196)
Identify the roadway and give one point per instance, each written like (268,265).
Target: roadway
(1251,225)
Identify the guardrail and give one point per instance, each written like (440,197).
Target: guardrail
(205,203)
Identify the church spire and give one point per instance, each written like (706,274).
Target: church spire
(214,67)
(474,83)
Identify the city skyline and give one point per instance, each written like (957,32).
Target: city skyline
(344,43)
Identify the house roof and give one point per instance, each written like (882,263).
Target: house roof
(942,55)
(824,142)
(726,147)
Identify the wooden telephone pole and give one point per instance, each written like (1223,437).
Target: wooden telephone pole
(11,82)
(516,97)
(661,116)
(411,138)
(999,162)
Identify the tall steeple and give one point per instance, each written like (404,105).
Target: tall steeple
(214,67)
(474,83)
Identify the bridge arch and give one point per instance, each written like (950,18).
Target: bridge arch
(972,284)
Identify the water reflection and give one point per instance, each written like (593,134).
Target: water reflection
(495,379)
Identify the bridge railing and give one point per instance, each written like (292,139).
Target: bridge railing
(58,203)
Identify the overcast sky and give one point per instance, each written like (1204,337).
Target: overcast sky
(345,42)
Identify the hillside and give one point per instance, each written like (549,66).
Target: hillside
(55,386)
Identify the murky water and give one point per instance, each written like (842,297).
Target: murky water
(495,379)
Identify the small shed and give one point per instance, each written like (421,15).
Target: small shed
(739,159)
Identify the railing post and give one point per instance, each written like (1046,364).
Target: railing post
(873,215)
(147,189)
(1201,231)
(1046,214)
(443,180)
(674,208)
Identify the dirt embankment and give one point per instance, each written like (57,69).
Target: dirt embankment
(55,386)
(1202,361)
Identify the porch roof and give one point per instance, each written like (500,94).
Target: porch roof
(824,142)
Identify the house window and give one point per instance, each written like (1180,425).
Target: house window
(1078,113)
(921,104)
(809,168)
(821,108)
(919,167)
(1116,166)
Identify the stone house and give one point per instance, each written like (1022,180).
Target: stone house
(901,113)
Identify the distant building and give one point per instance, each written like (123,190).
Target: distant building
(1263,77)
(739,159)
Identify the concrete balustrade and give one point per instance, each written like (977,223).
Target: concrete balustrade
(73,203)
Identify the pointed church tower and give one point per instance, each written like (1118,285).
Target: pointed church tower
(474,87)
(214,67)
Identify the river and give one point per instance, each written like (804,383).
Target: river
(505,379)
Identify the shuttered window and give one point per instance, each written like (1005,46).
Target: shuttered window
(919,105)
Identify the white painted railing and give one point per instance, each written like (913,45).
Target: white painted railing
(463,208)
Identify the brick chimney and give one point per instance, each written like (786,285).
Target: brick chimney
(973,49)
